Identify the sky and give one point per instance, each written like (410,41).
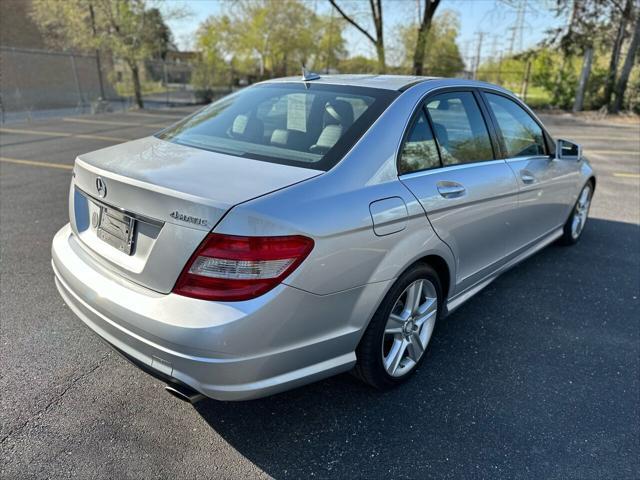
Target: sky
(489,19)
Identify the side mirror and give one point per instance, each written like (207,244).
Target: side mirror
(566,150)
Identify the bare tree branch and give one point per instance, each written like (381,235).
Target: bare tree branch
(352,21)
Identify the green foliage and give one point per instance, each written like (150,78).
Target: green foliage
(66,24)
(213,38)
(442,56)
(554,77)
(358,64)
(331,48)
(632,98)
(267,38)
(127,28)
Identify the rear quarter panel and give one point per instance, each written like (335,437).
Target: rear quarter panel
(347,252)
(333,209)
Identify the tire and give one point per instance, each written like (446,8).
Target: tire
(574,226)
(410,329)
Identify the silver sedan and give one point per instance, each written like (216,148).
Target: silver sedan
(304,227)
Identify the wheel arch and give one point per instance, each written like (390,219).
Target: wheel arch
(439,264)
(435,261)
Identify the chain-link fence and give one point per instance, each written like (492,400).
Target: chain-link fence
(35,80)
(41,83)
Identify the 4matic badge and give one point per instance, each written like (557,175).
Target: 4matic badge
(188,218)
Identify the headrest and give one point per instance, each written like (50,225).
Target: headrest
(289,138)
(239,127)
(247,128)
(279,136)
(339,112)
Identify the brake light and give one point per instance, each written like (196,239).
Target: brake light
(232,268)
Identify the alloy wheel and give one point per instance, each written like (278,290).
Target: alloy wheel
(581,212)
(409,327)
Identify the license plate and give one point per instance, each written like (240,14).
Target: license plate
(116,229)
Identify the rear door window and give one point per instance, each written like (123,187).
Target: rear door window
(459,128)
(419,151)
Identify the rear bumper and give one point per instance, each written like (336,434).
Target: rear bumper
(227,351)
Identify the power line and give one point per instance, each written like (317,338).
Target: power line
(517,29)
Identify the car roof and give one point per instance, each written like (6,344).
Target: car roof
(387,82)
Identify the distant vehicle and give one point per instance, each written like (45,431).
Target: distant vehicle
(304,227)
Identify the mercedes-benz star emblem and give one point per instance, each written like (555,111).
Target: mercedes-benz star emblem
(101,187)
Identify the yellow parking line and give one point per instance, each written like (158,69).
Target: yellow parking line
(626,175)
(119,124)
(612,152)
(33,163)
(173,117)
(63,134)
(587,138)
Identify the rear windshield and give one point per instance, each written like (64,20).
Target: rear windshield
(306,125)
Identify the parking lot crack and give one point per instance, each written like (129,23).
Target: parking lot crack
(55,399)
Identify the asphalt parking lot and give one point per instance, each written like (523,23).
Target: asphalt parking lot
(536,377)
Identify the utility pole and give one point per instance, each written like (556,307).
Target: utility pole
(494,47)
(468,58)
(494,51)
(478,52)
(525,80)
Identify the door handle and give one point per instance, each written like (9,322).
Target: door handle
(527,178)
(451,189)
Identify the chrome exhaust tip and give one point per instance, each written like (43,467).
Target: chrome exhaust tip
(185,394)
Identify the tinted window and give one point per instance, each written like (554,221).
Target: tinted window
(309,126)
(419,151)
(459,128)
(522,135)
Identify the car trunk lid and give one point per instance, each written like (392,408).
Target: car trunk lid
(141,208)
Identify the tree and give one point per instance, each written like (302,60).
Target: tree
(358,64)
(560,82)
(127,28)
(213,40)
(423,32)
(625,15)
(587,22)
(621,86)
(262,38)
(274,37)
(442,58)
(280,31)
(331,46)
(157,34)
(584,78)
(378,40)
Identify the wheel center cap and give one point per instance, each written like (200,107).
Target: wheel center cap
(408,327)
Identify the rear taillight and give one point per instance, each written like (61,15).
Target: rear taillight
(232,268)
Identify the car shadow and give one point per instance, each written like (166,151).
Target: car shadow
(524,380)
